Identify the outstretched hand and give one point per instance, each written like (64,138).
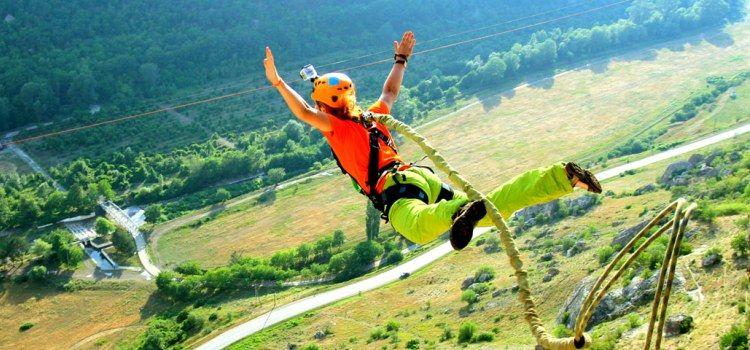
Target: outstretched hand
(406,46)
(271,73)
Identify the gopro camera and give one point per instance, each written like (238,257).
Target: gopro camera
(308,73)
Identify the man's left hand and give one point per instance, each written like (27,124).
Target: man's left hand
(406,46)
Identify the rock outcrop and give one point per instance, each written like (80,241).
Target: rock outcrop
(617,302)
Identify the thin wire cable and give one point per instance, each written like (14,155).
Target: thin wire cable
(488,35)
(230,84)
(459,33)
(266,87)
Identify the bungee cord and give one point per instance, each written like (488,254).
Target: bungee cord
(580,339)
(268,87)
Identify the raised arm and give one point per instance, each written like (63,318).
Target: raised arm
(296,103)
(396,76)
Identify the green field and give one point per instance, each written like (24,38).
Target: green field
(576,116)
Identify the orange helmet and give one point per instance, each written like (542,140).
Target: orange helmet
(336,90)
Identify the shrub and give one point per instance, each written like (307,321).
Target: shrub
(483,337)
(378,333)
(447,334)
(634,320)
(38,273)
(485,270)
(740,245)
(189,268)
(604,254)
(25,326)
(713,251)
(735,339)
(412,344)
(560,331)
(163,334)
(481,288)
(394,257)
(392,326)
(192,323)
(311,346)
(469,296)
(466,332)
(732,208)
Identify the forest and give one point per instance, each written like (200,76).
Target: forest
(277,149)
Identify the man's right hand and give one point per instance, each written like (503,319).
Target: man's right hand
(271,73)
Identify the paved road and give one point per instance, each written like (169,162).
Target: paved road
(299,307)
(33,164)
(124,220)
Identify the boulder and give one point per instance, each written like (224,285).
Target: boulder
(624,236)
(546,257)
(468,281)
(677,325)
(514,288)
(644,189)
(697,159)
(711,260)
(675,169)
(319,335)
(581,204)
(483,278)
(576,249)
(682,180)
(551,273)
(616,303)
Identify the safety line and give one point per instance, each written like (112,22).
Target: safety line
(266,87)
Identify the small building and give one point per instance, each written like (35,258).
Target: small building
(94,109)
(9,18)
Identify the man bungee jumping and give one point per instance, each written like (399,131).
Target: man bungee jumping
(418,204)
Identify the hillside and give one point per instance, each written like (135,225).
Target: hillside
(582,112)
(429,305)
(244,211)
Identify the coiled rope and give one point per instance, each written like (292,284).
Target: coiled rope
(580,339)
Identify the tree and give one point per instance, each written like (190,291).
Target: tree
(303,252)
(13,247)
(123,241)
(275,175)
(154,213)
(366,252)
(104,227)
(41,248)
(37,99)
(38,273)
(372,221)
(222,195)
(28,210)
(65,250)
(338,238)
(105,189)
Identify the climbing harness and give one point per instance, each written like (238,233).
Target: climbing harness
(580,340)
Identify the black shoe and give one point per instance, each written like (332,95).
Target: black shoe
(583,175)
(464,221)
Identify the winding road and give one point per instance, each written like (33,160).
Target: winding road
(301,306)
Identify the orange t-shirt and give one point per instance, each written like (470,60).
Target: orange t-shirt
(351,144)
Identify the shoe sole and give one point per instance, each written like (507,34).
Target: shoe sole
(586,177)
(462,229)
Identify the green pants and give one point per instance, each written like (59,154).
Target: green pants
(422,223)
